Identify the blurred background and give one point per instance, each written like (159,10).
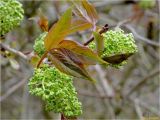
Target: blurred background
(131,92)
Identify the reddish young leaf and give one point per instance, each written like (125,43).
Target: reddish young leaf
(79,25)
(67,62)
(91,11)
(85,10)
(43,21)
(58,31)
(80,50)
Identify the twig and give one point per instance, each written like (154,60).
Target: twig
(13,51)
(143,104)
(104,29)
(138,85)
(89,94)
(13,89)
(25,102)
(139,37)
(106,87)
(146,106)
(149,108)
(123,22)
(129,27)
(138,109)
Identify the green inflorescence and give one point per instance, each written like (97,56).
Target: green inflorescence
(117,42)
(11,14)
(39,44)
(56,89)
(145,4)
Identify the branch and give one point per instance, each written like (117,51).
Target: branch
(129,27)
(13,89)
(139,37)
(105,84)
(145,105)
(138,85)
(104,29)
(90,94)
(13,51)
(138,109)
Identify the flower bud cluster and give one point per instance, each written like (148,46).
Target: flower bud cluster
(11,14)
(145,4)
(39,44)
(56,89)
(116,42)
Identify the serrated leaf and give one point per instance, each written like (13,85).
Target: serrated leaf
(80,50)
(67,62)
(58,31)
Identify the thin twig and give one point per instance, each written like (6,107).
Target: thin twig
(138,109)
(139,37)
(107,88)
(129,27)
(104,29)
(13,51)
(89,94)
(138,85)
(143,104)
(146,106)
(123,22)
(13,89)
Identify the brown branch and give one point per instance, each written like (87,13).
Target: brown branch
(139,37)
(16,52)
(104,29)
(89,94)
(142,104)
(138,85)
(13,89)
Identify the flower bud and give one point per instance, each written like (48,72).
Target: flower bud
(39,44)
(56,89)
(116,42)
(11,14)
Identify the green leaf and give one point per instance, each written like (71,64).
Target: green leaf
(80,50)
(58,31)
(99,42)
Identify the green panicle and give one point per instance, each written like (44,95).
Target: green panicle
(56,89)
(116,42)
(11,14)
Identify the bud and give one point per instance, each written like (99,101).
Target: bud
(11,14)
